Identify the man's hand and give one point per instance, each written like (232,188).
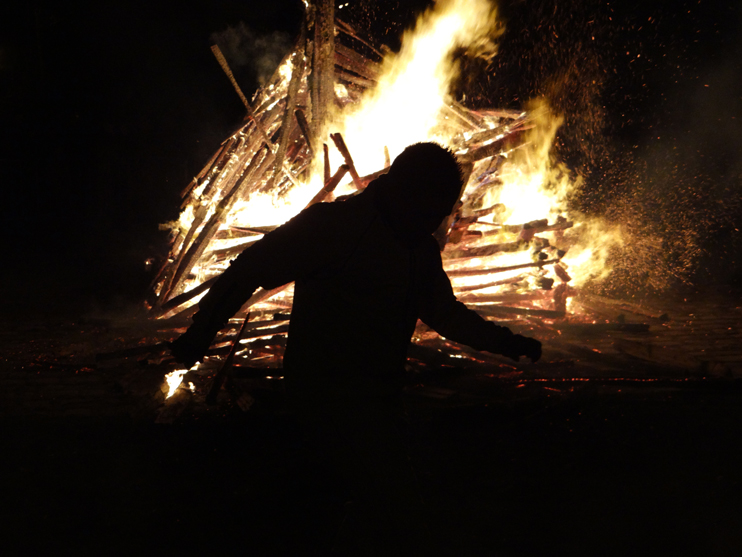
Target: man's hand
(523,346)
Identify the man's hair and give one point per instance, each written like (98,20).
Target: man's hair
(428,170)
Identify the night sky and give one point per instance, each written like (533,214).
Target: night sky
(107,110)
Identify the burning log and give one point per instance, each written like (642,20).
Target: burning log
(493,134)
(479,153)
(197,179)
(250,113)
(253,325)
(337,139)
(328,172)
(228,71)
(462,116)
(301,119)
(323,75)
(225,253)
(329,186)
(235,233)
(350,60)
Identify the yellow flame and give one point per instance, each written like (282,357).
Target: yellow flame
(186,218)
(588,259)
(414,84)
(265,209)
(174,379)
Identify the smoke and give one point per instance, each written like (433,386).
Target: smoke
(254,53)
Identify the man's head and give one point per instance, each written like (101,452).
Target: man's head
(421,188)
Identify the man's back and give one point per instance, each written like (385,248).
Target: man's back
(355,311)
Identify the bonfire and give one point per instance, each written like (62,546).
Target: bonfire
(334,114)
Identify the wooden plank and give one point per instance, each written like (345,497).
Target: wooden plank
(323,68)
(297,74)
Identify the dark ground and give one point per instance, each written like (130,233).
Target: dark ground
(596,467)
(601,471)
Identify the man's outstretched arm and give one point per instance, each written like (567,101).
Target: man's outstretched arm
(452,319)
(277,259)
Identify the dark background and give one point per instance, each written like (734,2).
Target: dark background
(107,110)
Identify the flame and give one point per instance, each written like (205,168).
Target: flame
(174,379)
(264,209)
(533,188)
(588,259)
(414,85)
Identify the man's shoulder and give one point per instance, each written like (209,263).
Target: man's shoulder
(353,208)
(336,218)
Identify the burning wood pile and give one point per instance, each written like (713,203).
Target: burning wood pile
(311,134)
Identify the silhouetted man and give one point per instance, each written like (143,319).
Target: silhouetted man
(365,270)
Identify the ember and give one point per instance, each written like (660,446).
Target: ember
(513,248)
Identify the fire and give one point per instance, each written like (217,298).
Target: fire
(173,380)
(406,105)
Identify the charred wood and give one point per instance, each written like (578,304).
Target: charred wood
(327,172)
(361,82)
(323,74)
(350,60)
(227,70)
(337,139)
(301,119)
(236,232)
